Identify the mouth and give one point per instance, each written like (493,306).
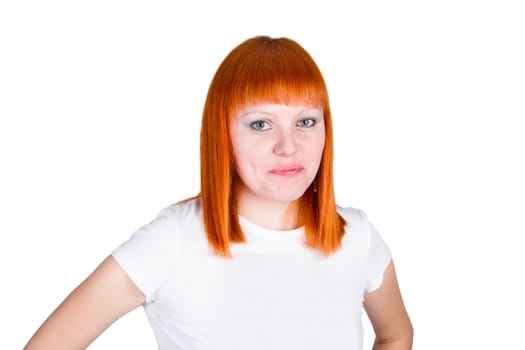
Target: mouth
(287,172)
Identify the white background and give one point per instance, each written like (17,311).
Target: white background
(100,106)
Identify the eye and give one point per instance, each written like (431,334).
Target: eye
(260,125)
(306,122)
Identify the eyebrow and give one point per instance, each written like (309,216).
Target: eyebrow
(247,113)
(255,111)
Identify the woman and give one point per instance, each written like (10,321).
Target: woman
(262,258)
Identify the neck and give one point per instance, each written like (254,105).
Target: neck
(272,215)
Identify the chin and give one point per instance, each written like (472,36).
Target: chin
(288,197)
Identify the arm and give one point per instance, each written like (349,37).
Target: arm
(388,315)
(106,295)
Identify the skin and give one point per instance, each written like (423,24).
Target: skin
(278,150)
(388,316)
(106,295)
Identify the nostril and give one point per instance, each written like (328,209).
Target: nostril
(286,145)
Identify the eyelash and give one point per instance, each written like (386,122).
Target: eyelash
(311,122)
(256,125)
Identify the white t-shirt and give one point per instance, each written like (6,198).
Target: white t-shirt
(274,293)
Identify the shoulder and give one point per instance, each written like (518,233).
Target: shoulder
(363,240)
(164,230)
(187,211)
(359,228)
(356,219)
(185,222)
(351,212)
(152,253)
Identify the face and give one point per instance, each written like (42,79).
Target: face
(277,150)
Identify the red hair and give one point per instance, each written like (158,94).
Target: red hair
(264,70)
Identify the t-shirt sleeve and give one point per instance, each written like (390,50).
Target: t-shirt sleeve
(379,257)
(148,254)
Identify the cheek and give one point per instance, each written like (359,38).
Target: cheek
(250,149)
(248,157)
(316,145)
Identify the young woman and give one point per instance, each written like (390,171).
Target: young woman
(262,258)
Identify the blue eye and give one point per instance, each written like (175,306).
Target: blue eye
(260,125)
(306,122)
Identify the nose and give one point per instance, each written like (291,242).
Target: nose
(285,145)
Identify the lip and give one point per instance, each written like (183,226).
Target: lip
(287,171)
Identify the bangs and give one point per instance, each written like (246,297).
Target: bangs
(286,89)
(276,71)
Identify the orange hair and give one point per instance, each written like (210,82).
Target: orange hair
(264,70)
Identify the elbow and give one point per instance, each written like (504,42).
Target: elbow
(410,336)
(405,338)
(401,340)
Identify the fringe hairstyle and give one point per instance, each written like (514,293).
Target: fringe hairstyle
(264,70)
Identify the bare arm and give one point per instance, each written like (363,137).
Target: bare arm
(387,313)
(106,295)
